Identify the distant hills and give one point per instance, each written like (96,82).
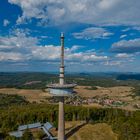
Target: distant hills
(39,80)
(129,77)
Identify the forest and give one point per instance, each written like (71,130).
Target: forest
(8,100)
(125,123)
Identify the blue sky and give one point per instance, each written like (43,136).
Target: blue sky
(100,35)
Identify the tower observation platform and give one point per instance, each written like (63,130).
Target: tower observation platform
(61,90)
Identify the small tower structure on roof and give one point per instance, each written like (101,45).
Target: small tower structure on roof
(61,90)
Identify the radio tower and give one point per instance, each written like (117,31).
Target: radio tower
(61,90)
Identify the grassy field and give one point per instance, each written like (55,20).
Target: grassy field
(100,131)
(119,91)
(30,95)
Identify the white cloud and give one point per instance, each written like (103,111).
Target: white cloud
(123,36)
(120,60)
(6,22)
(20,20)
(126,46)
(112,63)
(123,55)
(19,46)
(12,56)
(48,52)
(75,47)
(85,57)
(101,12)
(17,39)
(93,33)
(126,29)
(136,28)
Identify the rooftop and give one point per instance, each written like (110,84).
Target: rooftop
(46,127)
(29,126)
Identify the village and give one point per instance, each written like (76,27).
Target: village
(103,101)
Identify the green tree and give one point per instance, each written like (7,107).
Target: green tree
(39,135)
(27,135)
(10,138)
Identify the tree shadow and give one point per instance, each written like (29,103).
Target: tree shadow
(74,130)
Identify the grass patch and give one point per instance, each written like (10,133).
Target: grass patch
(99,131)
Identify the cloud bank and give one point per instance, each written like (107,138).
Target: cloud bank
(126,46)
(93,33)
(19,46)
(97,12)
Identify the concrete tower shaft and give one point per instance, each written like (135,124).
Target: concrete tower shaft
(61,122)
(61,78)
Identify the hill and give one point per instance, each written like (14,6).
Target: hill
(38,80)
(129,77)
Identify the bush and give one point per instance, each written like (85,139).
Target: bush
(39,135)
(10,138)
(27,135)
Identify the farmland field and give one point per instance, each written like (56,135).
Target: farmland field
(123,93)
